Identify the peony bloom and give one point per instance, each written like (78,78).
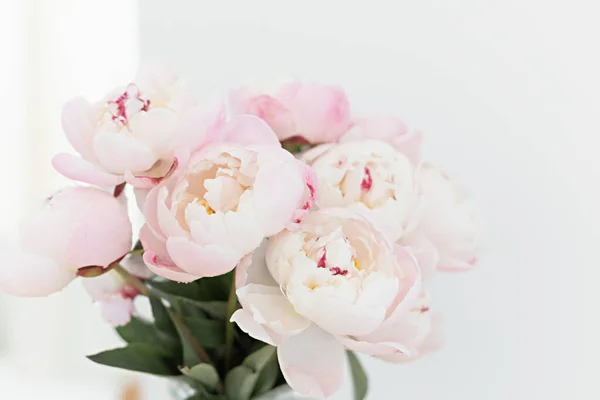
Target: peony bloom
(313,112)
(368,175)
(377,178)
(77,227)
(449,219)
(113,294)
(388,129)
(334,282)
(137,133)
(233,194)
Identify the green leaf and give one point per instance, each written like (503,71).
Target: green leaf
(268,377)
(138,357)
(161,317)
(242,381)
(359,377)
(205,289)
(140,331)
(208,333)
(195,334)
(205,374)
(189,294)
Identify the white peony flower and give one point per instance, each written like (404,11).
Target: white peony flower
(336,279)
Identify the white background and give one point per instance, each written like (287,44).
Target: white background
(508,94)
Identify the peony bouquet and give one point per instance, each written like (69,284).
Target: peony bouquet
(282,235)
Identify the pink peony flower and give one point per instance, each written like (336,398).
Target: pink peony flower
(449,219)
(313,112)
(77,227)
(234,192)
(334,282)
(137,133)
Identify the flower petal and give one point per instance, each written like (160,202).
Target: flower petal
(246,322)
(30,275)
(203,261)
(78,169)
(248,129)
(119,153)
(166,220)
(388,129)
(278,191)
(199,125)
(253,269)
(77,125)
(312,362)
(270,307)
(166,270)
(117,310)
(156,128)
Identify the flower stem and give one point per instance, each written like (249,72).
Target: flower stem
(137,252)
(132,280)
(231,307)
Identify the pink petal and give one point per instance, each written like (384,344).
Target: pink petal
(248,129)
(435,340)
(30,275)
(279,189)
(117,310)
(424,251)
(162,170)
(321,112)
(150,211)
(167,222)
(267,108)
(410,285)
(81,170)
(101,233)
(203,261)
(391,130)
(156,129)
(104,286)
(77,125)
(151,242)
(312,362)
(140,197)
(119,153)
(166,269)
(199,125)
(247,324)
(135,266)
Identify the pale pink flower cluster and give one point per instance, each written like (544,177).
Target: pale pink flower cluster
(331,248)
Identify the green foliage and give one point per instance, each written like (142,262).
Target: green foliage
(359,377)
(137,357)
(187,339)
(258,374)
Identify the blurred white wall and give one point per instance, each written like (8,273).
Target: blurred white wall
(51,51)
(508,95)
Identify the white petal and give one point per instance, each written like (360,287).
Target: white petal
(268,306)
(312,362)
(119,153)
(247,323)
